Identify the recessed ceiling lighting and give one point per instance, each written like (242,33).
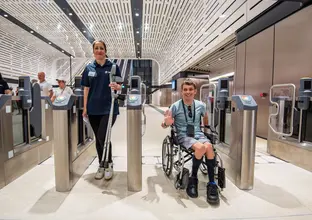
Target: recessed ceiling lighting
(138,43)
(138,51)
(50,43)
(137,32)
(5,15)
(31,31)
(137,14)
(70,14)
(84,31)
(62,51)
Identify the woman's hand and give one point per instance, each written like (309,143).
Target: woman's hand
(84,113)
(115,86)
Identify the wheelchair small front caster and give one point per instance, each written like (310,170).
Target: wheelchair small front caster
(181,183)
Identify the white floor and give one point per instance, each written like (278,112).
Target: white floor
(281,190)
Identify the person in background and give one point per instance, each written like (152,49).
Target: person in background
(46,88)
(4,87)
(62,89)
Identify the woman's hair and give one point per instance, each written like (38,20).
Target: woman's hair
(99,41)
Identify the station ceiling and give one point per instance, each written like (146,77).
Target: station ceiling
(178,34)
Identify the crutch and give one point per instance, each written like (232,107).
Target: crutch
(110,120)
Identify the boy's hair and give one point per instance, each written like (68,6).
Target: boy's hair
(188,82)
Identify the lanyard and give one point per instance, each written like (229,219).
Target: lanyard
(185,112)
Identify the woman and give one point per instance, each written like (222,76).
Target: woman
(4,87)
(97,101)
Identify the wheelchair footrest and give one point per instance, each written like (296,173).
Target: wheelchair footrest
(221,177)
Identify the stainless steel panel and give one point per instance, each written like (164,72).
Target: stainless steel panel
(83,160)
(45,151)
(239,76)
(293,48)
(134,150)
(246,179)
(62,151)
(20,164)
(258,79)
(299,154)
(239,157)
(6,137)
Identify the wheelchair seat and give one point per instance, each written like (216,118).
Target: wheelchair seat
(171,148)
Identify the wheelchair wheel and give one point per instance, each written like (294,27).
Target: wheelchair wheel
(181,183)
(167,156)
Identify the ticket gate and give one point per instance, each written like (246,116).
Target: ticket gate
(21,132)
(70,161)
(290,117)
(238,155)
(135,108)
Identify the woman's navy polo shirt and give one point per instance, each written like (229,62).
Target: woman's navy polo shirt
(96,77)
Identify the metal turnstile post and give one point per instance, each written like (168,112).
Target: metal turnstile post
(134,135)
(243,142)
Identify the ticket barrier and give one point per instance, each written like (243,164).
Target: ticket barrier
(290,119)
(22,142)
(238,156)
(135,108)
(70,160)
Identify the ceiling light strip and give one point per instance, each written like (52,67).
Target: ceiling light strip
(137,14)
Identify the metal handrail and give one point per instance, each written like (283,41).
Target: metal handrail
(214,98)
(278,108)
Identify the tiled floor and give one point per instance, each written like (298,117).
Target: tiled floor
(281,190)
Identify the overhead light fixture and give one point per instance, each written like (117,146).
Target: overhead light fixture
(222,76)
(50,43)
(62,51)
(222,16)
(70,14)
(31,31)
(137,14)
(84,31)
(137,32)
(5,15)
(138,43)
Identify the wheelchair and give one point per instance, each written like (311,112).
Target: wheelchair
(172,148)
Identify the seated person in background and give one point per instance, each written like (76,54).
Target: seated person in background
(186,114)
(62,89)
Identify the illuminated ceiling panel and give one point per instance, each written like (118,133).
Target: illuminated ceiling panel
(179,34)
(46,18)
(110,21)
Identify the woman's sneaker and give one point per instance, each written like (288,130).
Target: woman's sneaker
(100,173)
(109,172)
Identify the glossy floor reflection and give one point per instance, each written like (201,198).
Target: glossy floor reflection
(281,190)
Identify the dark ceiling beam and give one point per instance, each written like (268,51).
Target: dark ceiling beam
(33,32)
(137,14)
(70,13)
